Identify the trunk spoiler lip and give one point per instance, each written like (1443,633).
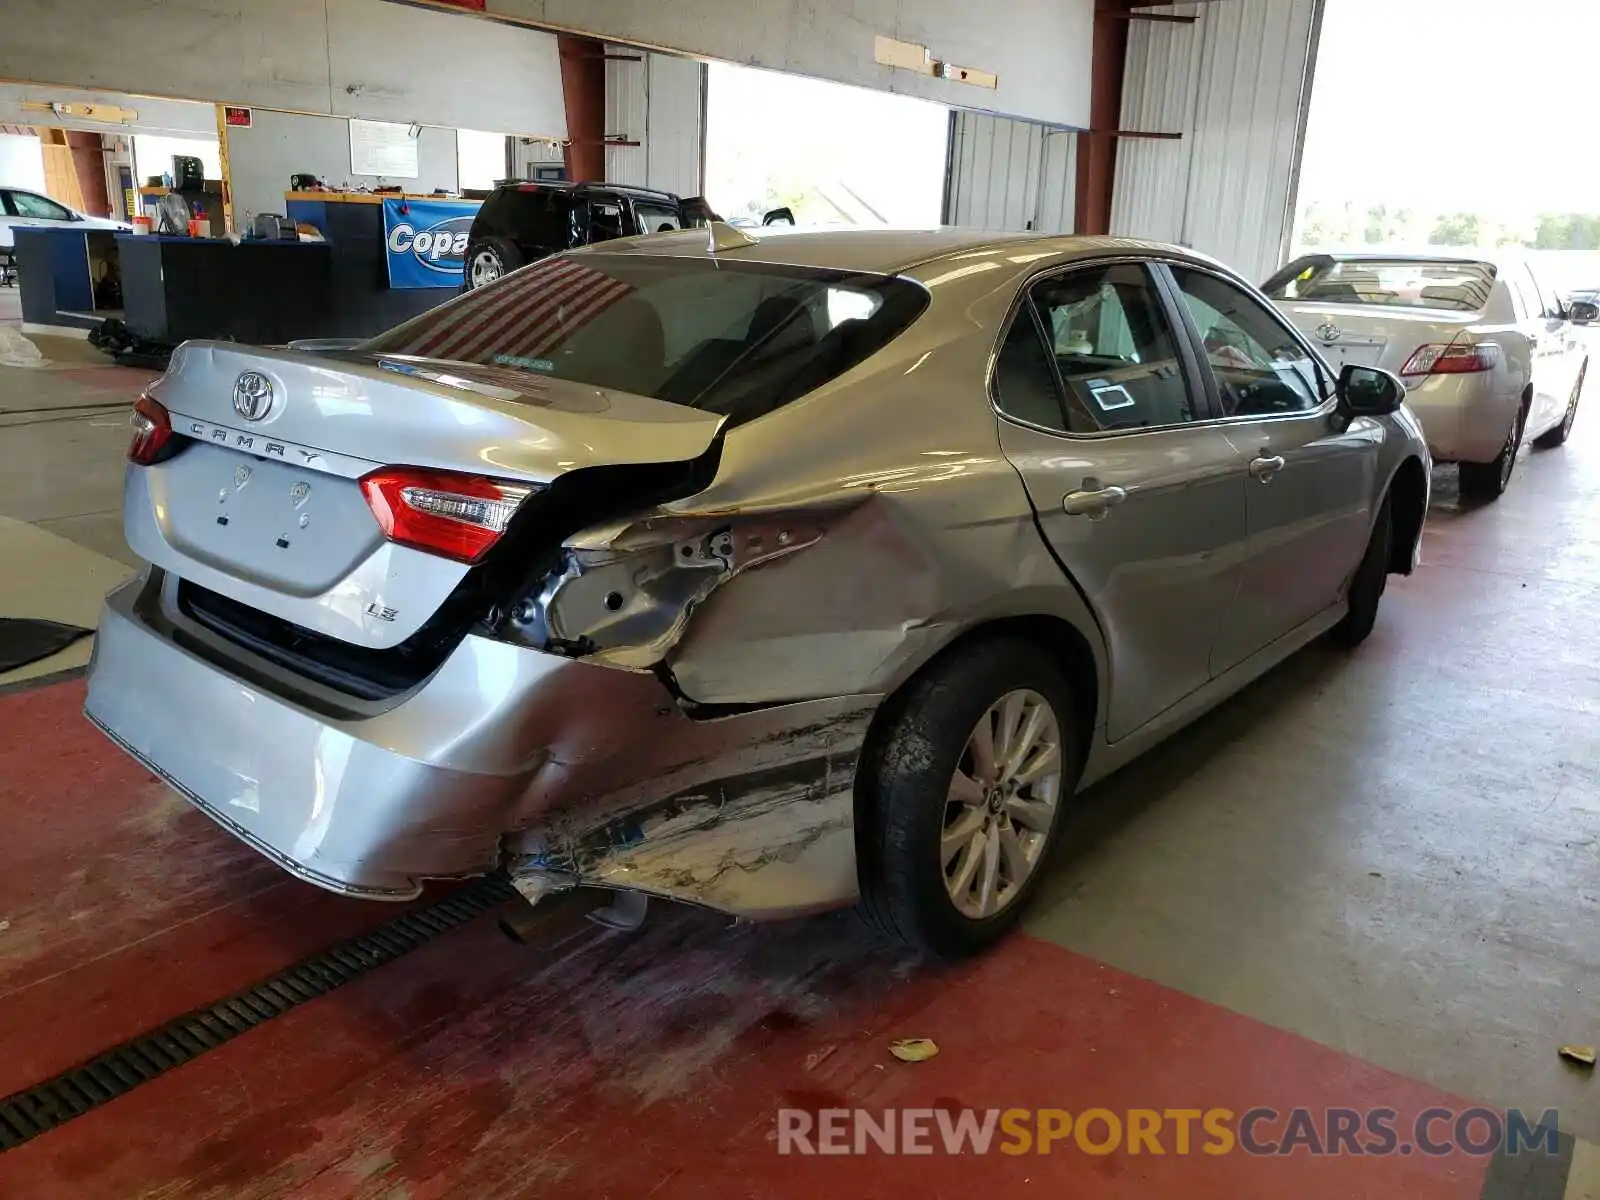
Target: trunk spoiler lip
(530,436)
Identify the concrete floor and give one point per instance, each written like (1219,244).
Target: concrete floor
(1393,855)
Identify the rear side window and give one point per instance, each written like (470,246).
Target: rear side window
(729,337)
(1393,283)
(1107,339)
(656,218)
(532,216)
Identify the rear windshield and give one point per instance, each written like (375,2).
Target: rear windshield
(729,337)
(1394,283)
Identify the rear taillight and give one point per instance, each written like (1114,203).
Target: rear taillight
(152,430)
(1458,358)
(442,512)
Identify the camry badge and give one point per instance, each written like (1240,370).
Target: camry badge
(252,395)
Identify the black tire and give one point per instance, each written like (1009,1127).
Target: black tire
(1551,438)
(1366,586)
(1488,481)
(906,778)
(502,252)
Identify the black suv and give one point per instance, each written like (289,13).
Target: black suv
(523,222)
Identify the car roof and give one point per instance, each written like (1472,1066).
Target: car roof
(885,251)
(562,185)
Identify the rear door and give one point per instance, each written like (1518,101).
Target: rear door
(1141,499)
(1308,482)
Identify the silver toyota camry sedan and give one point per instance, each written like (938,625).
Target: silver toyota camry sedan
(772,572)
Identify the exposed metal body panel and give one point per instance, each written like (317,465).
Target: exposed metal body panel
(657,100)
(1235,85)
(1013,175)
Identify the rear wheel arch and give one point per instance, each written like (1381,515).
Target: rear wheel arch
(1066,644)
(1408,498)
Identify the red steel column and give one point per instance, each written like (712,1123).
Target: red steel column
(1097,150)
(583,88)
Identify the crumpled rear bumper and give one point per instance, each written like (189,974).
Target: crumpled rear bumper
(505,755)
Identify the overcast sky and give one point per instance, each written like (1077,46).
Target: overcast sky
(1490,106)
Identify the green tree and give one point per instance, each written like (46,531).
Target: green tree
(1457,229)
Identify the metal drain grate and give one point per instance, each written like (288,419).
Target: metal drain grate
(36,1110)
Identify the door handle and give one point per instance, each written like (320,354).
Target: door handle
(1093,499)
(1265,466)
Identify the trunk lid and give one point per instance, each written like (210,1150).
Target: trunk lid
(1374,335)
(263,503)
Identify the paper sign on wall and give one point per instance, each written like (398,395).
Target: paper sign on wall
(383,148)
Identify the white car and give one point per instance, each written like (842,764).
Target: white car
(1488,353)
(24,209)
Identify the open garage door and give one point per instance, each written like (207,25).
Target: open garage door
(1006,174)
(835,155)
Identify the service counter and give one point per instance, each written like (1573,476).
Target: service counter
(360,280)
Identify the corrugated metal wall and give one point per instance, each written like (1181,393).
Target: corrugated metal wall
(1007,174)
(658,102)
(1235,84)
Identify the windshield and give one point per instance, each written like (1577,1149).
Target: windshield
(736,338)
(1394,283)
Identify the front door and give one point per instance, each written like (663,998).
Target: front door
(1557,352)
(1308,478)
(1143,505)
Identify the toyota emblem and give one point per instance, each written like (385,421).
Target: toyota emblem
(1329,332)
(252,395)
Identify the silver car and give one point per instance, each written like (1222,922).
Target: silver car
(1489,354)
(771,572)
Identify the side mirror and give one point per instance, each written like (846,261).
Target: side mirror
(778,216)
(1585,313)
(1369,391)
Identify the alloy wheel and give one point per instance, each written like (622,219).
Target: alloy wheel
(1001,804)
(485,268)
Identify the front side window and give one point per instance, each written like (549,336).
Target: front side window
(726,337)
(1261,370)
(1113,349)
(37,207)
(605,220)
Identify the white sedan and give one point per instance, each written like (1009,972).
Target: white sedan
(1488,353)
(21,209)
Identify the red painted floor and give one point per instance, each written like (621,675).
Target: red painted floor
(588,1065)
(122,906)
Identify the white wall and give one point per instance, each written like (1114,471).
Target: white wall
(658,102)
(263,157)
(21,162)
(360,58)
(1236,84)
(1016,175)
(1039,49)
